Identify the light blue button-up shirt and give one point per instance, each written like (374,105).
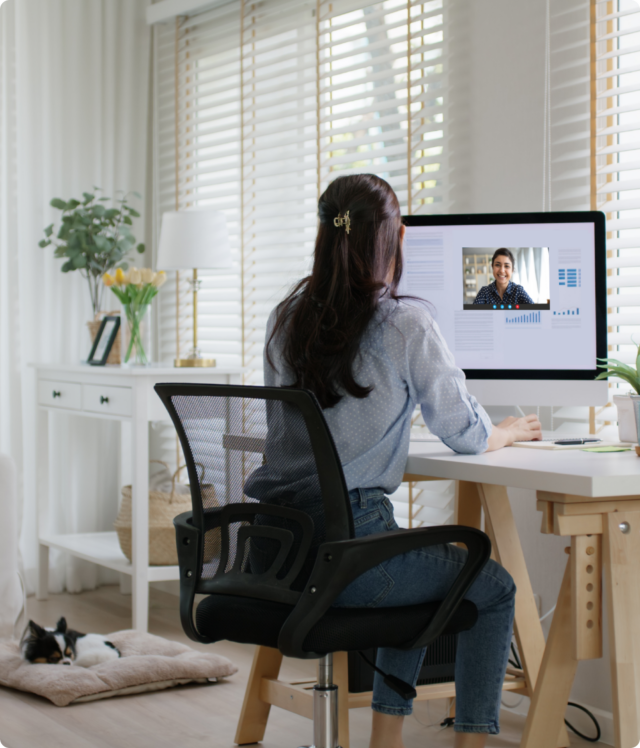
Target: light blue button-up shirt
(404,356)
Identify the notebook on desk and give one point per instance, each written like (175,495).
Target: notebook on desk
(550,444)
(546,443)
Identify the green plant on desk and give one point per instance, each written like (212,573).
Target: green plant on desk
(615,368)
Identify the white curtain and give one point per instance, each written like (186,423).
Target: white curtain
(74,114)
(531,270)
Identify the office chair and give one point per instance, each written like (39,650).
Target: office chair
(270,540)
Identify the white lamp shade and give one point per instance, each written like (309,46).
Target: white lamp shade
(193,239)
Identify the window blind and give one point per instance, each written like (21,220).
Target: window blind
(604,109)
(381,80)
(197,165)
(615,172)
(567,168)
(279,160)
(258,106)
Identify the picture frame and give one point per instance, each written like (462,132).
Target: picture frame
(104,341)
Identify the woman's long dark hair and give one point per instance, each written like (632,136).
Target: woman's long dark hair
(325,316)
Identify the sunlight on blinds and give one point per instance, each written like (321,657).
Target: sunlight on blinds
(569,136)
(279,160)
(616,164)
(206,168)
(380,81)
(569,94)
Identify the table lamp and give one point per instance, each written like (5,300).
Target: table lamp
(192,240)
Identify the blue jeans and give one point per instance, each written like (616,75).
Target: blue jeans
(421,576)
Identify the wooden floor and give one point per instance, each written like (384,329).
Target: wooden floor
(188,716)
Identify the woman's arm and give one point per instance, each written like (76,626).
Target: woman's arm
(514,430)
(438,385)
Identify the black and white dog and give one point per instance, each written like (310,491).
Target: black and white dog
(64,646)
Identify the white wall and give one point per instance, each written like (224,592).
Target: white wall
(497,57)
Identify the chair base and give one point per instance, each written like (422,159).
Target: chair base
(325,706)
(325,716)
(265,689)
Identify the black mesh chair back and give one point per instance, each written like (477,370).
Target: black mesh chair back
(255,455)
(270,538)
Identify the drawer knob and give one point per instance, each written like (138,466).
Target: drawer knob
(55,394)
(103,399)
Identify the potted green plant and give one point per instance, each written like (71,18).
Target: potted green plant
(93,237)
(626,404)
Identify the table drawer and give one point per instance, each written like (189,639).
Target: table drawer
(100,399)
(60,394)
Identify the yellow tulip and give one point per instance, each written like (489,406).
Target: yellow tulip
(159,279)
(147,275)
(108,280)
(120,277)
(135,276)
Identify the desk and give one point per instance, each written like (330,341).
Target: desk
(124,394)
(595,500)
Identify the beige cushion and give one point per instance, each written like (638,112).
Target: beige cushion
(148,663)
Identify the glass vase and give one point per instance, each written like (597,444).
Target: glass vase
(136,335)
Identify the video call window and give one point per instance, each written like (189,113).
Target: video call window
(505,278)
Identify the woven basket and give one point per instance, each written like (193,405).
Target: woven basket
(163,507)
(94,326)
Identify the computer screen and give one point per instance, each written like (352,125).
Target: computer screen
(538,312)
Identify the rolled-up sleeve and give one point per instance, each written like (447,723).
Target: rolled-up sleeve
(438,386)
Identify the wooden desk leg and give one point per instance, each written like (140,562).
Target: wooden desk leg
(621,561)
(468,511)
(558,669)
(255,712)
(501,528)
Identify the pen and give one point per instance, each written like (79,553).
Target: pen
(571,442)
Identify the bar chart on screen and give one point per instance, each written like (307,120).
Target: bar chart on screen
(528,318)
(567,312)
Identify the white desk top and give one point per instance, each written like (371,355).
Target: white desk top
(572,471)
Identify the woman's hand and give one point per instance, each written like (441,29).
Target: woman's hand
(514,430)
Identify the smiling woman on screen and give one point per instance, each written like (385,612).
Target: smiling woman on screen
(503,290)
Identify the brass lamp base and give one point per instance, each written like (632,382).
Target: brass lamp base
(194,362)
(194,359)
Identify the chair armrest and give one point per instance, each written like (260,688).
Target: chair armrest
(339,563)
(267,585)
(189,541)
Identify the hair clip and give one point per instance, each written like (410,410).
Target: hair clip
(343,220)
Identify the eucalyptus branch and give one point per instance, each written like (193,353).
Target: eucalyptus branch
(93,238)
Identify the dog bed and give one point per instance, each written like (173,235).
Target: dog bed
(148,663)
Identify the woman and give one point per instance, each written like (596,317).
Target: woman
(370,357)
(503,290)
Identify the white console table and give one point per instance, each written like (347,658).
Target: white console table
(123,394)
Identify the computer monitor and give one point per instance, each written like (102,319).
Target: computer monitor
(537,345)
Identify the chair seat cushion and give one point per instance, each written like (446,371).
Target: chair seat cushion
(251,621)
